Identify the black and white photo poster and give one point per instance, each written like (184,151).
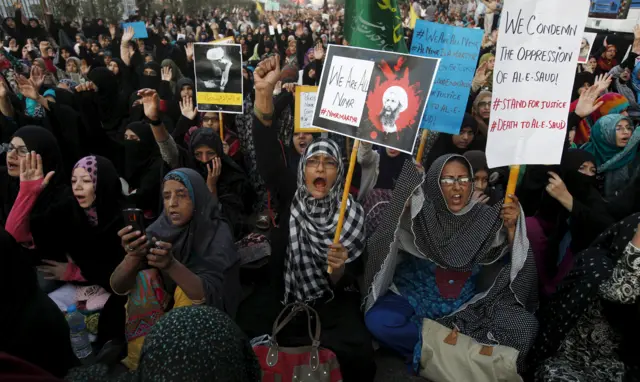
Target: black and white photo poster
(218,70)
(374,96)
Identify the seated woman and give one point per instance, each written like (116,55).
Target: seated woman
(614,143)
(302,245)
(95,222)
(309,250)
(451,260)
(589,326)
(185,257)
(35,208)
(568,218)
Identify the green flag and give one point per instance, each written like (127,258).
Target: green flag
(374,24)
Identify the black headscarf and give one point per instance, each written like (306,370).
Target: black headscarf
(389,169)
(233,184)
(580,80)
(205,245)
(97,226)
(184,81)
(107,97)
(43,142)
(141,155)
(579,185)
(150,82)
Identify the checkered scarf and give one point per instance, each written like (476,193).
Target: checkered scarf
(312,225)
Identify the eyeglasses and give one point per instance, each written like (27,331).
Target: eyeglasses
(462,181)
(210,119)
(8,147)
(330,164)
(484,104)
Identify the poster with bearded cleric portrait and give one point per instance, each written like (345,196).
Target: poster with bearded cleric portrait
(218,69)
(375,96)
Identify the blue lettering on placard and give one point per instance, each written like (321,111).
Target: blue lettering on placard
(458,50)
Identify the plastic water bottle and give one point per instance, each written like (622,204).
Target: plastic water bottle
(79,336)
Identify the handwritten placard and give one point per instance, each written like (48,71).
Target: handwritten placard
(346,90)
(533,77)
(458,50)
(305,103)
(374,96)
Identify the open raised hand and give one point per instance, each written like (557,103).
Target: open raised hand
(187,109)
(31,169)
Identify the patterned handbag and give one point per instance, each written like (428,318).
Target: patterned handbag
(301,364)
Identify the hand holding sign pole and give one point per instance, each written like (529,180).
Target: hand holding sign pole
(345,195)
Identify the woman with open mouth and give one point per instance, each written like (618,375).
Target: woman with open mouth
(614,143)
(302,251)
(31,200)
(186,257)
(441,259)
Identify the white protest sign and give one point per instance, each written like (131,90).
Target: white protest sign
(533,78)
(304,109)
(346,90)
(307,103)
(280,28)
(272,30)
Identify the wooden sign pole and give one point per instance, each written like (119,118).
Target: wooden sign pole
(514,171)
(221,127)
(423,142)
(345,194)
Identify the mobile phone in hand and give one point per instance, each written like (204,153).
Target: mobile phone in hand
(135,218)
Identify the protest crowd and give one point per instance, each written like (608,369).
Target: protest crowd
(204,236)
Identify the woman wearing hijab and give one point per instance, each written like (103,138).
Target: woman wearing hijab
(588,328)
(53,202)
(581,83)
(303,248)
(144,168)
(33,328)
(95,221)
(612,103)
(150,76)
(176,75)
(481,111)
(380,170)
(72,70)
(614,143)
(623,85)
(459,143)
(607,60)
(226,180)
(489,186)
(186,257)
(197,343)
(441,256)
(483,79)
(570,214)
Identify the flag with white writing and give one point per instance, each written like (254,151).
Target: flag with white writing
(374,24)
